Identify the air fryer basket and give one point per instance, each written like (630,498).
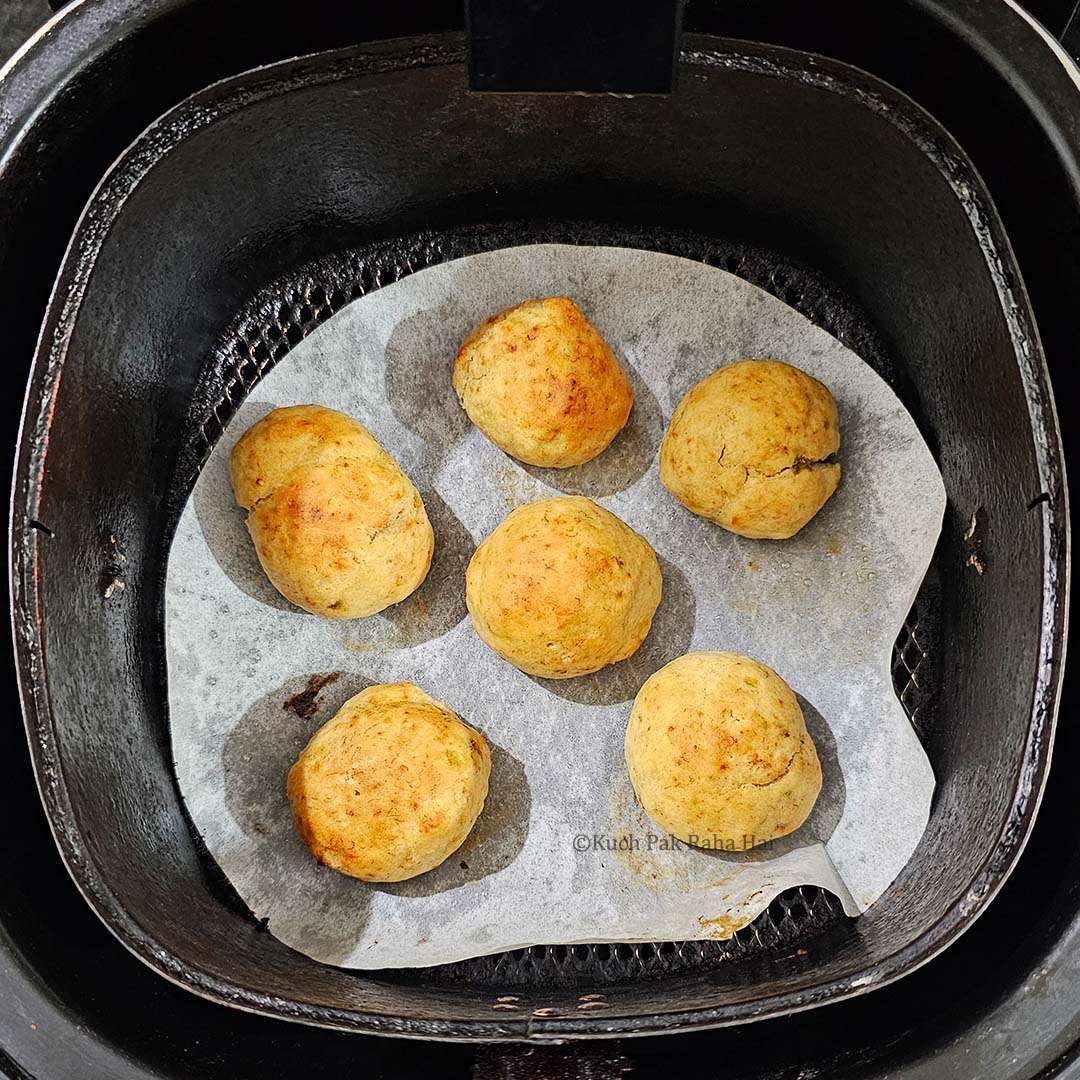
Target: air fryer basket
(254,210)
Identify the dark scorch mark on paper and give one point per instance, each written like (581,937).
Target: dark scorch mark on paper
(306,703)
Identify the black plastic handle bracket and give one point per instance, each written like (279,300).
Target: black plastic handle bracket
(598,46)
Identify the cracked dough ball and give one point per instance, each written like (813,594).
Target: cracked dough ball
(717,748)
(541,383)
(338,527)
(563,588)
(746,448)
(389,787)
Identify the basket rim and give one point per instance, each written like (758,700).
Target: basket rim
(236,92)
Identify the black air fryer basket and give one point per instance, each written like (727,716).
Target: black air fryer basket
(258,207)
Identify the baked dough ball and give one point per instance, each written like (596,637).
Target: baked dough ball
(718,750)
(562,588)
(746,448)
(541,383)
(338,527)
(390,786)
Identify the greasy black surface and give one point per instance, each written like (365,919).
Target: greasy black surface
(18,20)
(274,320)
(847,190)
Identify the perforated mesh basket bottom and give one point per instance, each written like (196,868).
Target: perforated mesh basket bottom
(281,315)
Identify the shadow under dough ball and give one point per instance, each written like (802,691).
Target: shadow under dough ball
(542,384)
(390,786)
(748,447)
(338,528)
(717,750)
(563,588)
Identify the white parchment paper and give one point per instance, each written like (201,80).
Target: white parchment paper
(561,853)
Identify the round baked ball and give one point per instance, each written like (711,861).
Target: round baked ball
(562,588)
(541,383)
(389,787)
(717,750)
(338,527)
(747,448)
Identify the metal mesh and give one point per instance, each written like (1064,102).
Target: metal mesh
(283,314)
(788,926)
